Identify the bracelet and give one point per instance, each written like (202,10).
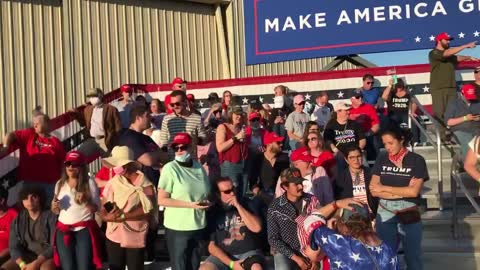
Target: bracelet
(122,216)
(21,264)
(232,263)
(465,118)
(334,204)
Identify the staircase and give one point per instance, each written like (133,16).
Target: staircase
(442,249)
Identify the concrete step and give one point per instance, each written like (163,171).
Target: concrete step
(430,153)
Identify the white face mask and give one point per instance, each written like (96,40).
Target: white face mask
(94,100)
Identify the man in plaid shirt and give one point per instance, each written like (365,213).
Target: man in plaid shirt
(283,214)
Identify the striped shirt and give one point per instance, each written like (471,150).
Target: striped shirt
(359,188)
(173,124)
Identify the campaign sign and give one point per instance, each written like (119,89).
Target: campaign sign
(280,30)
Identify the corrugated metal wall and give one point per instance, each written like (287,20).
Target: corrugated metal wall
(52,51)
(238,53)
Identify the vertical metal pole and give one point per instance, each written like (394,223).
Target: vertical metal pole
(453,186)
(440,174)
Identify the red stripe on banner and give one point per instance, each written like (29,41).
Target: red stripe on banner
(312,76)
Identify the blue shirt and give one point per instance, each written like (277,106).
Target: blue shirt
(371,96)
(345,252)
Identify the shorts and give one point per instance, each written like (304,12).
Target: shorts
(221,266)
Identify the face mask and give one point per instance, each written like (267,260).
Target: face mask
(94,100)
(278,102)
(119,170)
(183,158)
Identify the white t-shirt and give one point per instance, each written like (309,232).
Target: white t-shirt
(96,128)
(71,212)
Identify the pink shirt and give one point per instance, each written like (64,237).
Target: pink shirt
(122,234)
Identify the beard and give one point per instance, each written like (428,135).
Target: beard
(445,46)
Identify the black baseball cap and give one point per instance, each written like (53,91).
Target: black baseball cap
(292,175)
(357,94)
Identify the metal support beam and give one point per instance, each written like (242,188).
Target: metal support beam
(353,58)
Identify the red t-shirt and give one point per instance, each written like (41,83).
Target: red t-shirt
(167,104)
(104,174)
(41,158)
(365,115)
(325,160)
(5,222)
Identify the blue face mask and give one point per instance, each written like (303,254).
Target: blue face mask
(183,158)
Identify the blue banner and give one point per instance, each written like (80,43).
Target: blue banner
(280,30)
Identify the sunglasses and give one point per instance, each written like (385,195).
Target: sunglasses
(476,71)
(357,97)
(71,164)
(228,191)
(180,148)
(176,104)
(369,82)
(255,120)
(312,139)
(301,103)
(218,111)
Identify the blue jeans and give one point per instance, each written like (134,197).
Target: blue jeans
(294,144)
(184,248)
(464,138)
(78,255)
(410,235)
(237,173)
(283,263)
(221,266)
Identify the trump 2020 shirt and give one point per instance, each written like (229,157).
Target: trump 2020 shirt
(413,165)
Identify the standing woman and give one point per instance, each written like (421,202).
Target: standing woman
(232,147)
(397,179)
(226,102)
(183,189)
(76,201)
(128,209)
(473,158)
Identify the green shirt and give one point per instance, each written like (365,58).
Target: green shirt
(442,70)
(188,184)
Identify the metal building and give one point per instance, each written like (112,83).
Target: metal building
(52,51)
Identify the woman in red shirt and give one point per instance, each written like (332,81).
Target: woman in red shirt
(232,147)
(315,145)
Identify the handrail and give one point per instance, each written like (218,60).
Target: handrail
(456,179)
(437,144)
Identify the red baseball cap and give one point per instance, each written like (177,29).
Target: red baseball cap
(442,36)
(468,91)
(75,157)
(301,154)
(253,115)
(182,138)
(126,88)
(178,80)
(271,137)
(190,97)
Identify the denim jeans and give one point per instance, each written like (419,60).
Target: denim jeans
(464,138)
(392,232)
(237,173)
(283,263)
(78,255)
(184,248)
(294,144)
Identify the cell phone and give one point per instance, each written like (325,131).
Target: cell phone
(204,203)
(108,206)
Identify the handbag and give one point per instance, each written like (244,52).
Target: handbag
(406,216)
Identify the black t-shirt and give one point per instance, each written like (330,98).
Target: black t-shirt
(229,232)
(141,144)
(268,174)
(398,104)
(343,136)
(413,165)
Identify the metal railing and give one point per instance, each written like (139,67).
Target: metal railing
(456,172)
(436,142)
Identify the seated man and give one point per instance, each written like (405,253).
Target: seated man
(284,214)
(233,232)
(463,117)
(31,234)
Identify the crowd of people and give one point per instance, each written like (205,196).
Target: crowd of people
(327,186)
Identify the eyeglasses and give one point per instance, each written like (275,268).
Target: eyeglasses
(228,191)
(369,82)
(180,148)
(313,139)
(176,104)
(72,164)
